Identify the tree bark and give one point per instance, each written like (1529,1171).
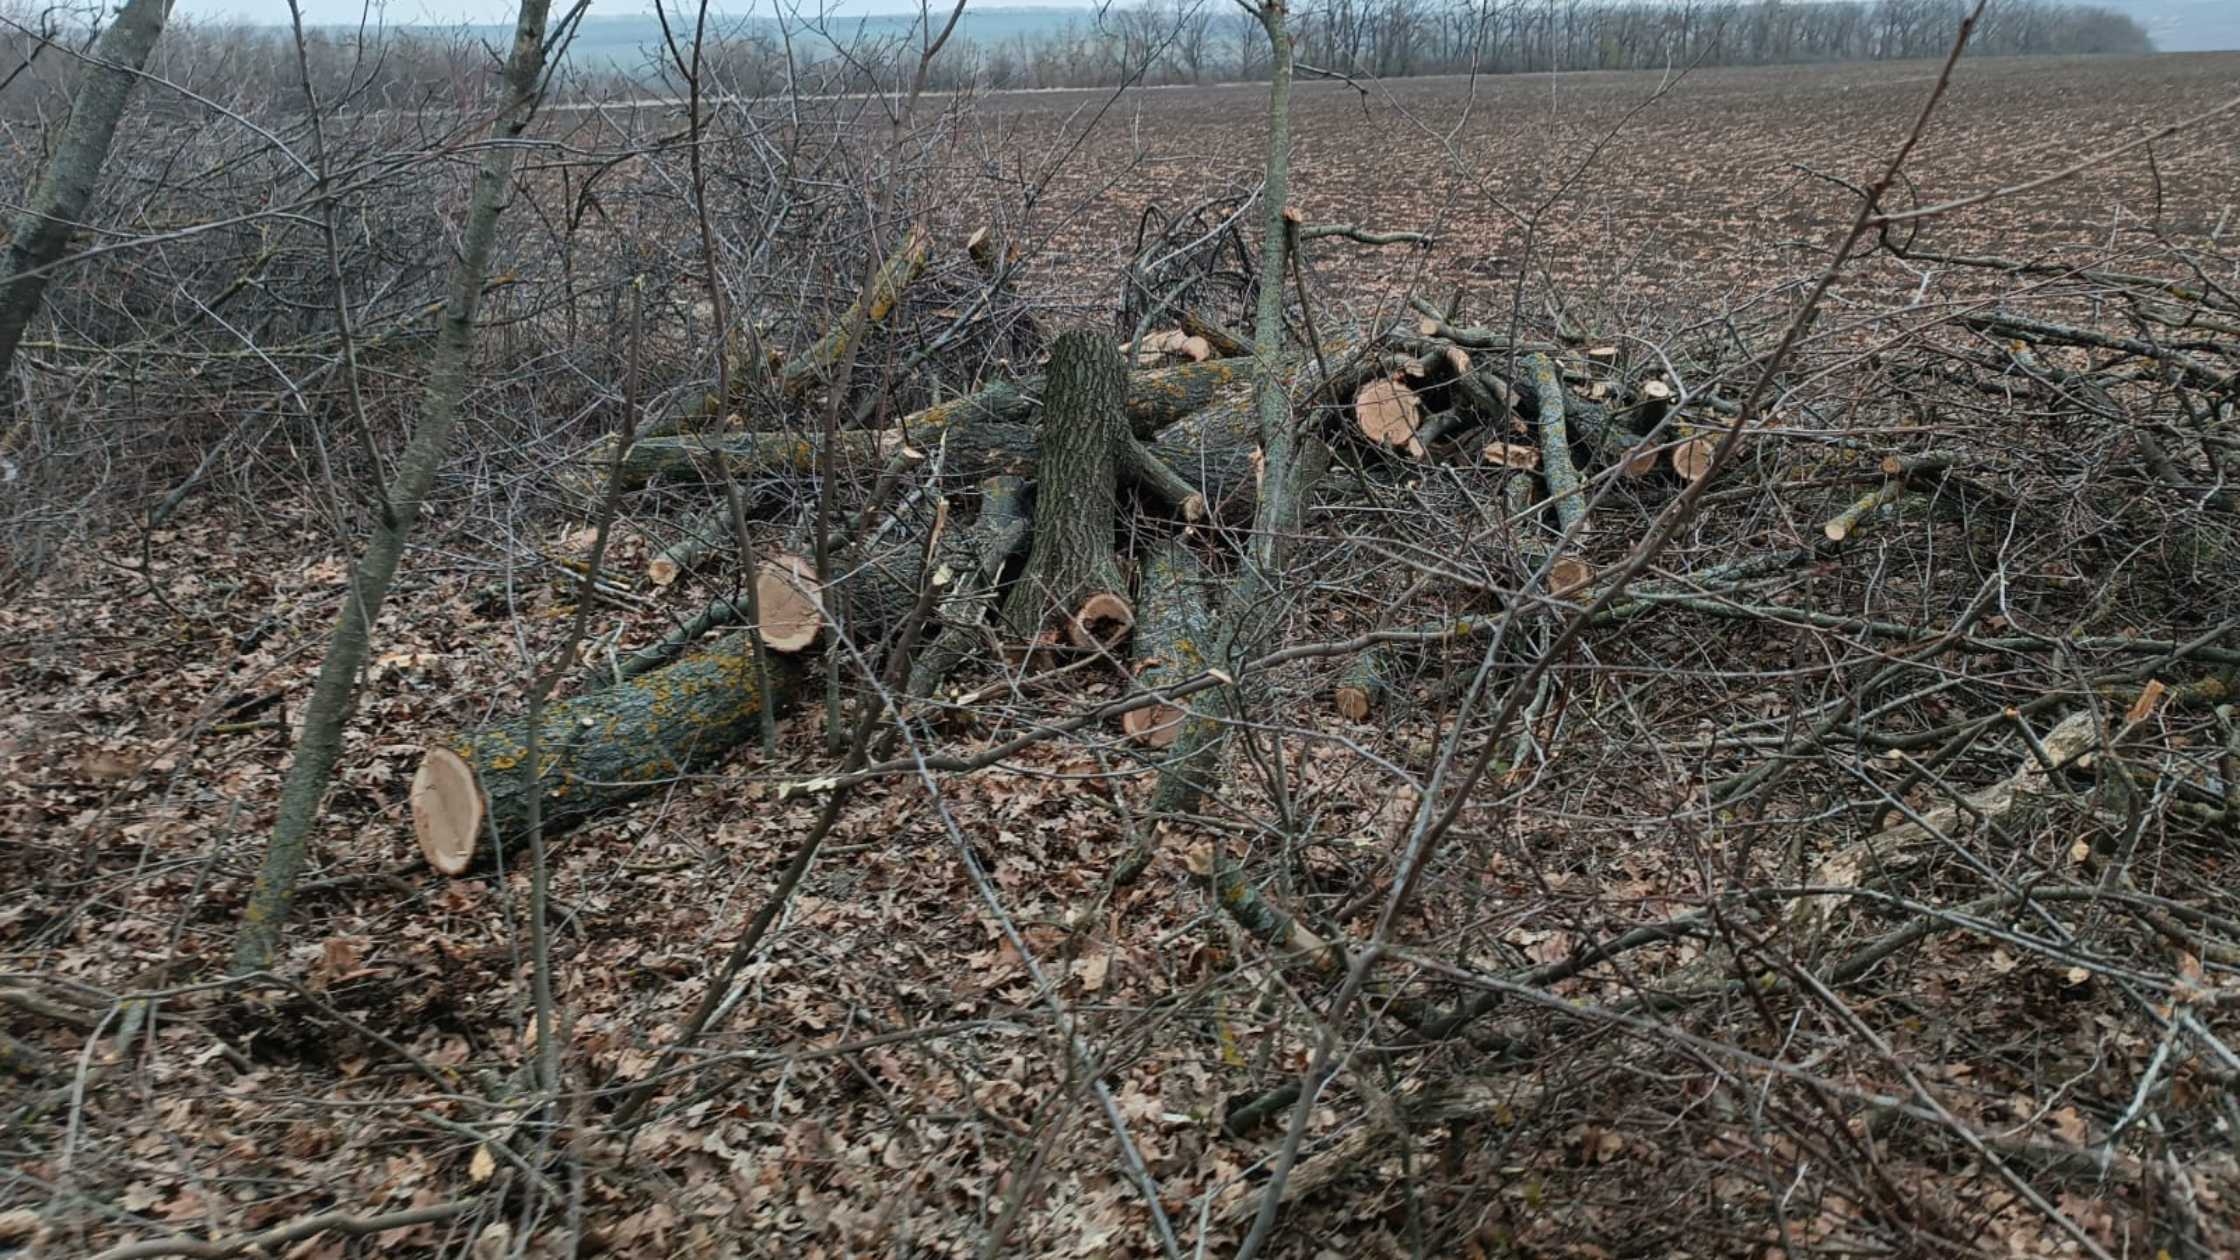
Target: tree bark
(595,752)
(1071,580)
(975,574)
(1155,401)
(975,450)
(1556,468)
(334,695)
(878,300)
(1173,636)
(58,205)
(1290,460)
(1603,435)
(1361,687)
(705,535)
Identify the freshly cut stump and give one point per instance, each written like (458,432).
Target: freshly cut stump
(1388,413)
(446,811)
(1103,620)
(787,595)
(1072,582)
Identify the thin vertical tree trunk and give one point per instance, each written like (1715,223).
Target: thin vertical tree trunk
(335,694)
(58,205)
(1290,465)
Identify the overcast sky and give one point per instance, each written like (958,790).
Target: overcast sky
(453,12)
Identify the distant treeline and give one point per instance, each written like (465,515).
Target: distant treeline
(254,70)
(1177,41)
(1212,41)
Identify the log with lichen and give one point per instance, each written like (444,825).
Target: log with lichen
(974,450)
(472,795)
(1172,633)
(884,292)
(1006,411)
(1208,454)
(605,748)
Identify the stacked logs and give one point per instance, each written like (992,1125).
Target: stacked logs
(1038,569)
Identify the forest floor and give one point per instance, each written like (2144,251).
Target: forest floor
(892,1072)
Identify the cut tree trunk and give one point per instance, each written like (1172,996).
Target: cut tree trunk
(1000,412)
(1171,638)
(792,605)
(1562,475)
(1139,467)
(1599,435)
(1226,343)
(1361,688)
(1533,541)
(1156,399)
(1388,414)
(704,536)
(975,450)
(595,751)
(1072,580)
(608,747)
(1216,449)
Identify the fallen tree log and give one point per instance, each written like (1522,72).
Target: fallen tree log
(605,748)
(1215,449)
(704,536)
(1171,638)
(1225,342)
(975,450)
(1003,410)
(877,301)
(974,574)
(2192,370)
(1072,579)
(1388,413)
(471,796)
(1562,476)
(1362,686)
(1602,436)
(1207,454)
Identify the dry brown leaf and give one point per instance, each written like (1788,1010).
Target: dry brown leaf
(1512,455)
(2143,708)
(2070,1126)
